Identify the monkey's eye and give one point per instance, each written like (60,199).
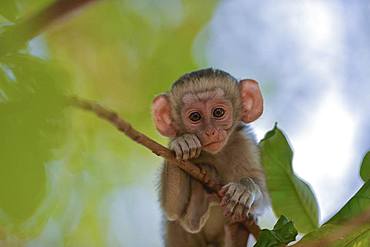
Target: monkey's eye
(195,116)
(218,112)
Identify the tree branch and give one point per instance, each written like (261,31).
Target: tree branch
(343,230)
(159,150)
(16,36)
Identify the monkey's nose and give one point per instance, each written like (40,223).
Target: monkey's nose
(211,132)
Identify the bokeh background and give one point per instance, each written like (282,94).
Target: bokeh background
(68,178)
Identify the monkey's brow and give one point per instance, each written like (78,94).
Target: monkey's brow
(204,95)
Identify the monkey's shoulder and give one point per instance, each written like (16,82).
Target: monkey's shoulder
(241,142)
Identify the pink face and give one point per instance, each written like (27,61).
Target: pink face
(210,116)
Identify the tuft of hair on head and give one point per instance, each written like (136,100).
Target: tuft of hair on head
(204,80)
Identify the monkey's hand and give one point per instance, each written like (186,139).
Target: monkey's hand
(186,146)
(238,199)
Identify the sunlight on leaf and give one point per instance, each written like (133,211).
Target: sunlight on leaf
(354,207)
(289,194)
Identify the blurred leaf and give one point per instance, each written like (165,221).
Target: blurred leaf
(125,53)
(9,9)
(31,126)
(12,9)
(365,167)
(283,233)
(289,194)
(360,237)
(120,53)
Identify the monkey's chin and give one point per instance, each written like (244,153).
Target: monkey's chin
(214,147)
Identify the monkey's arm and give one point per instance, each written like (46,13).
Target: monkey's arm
(175,183)
(196,211)
(199,203)
(175,191)
(245,191)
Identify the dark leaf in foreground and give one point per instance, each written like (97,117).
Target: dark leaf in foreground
(283,233)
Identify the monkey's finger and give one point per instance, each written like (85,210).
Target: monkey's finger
(176,147)
(185,149)
(225,200)
(197,141)
(238,207)
(224,189)
(237,195)
(238,218)
(246,212)
(198,144)
(192,145)
(235,218)
(244,199)
(248,204)
(232,189)
(230,207)
(238,212)
(250,200)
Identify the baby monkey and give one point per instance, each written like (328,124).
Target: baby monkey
(204,116)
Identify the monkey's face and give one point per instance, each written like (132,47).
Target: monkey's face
(209,115)
(208,104)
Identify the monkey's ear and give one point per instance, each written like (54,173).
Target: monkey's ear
(252,101)
(161,109)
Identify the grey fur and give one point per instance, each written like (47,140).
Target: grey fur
(194,216)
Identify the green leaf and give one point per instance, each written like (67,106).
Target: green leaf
(289,194)
(9,9)
(31,128)
(360,237)
(355,206)
(283,233)
(365,167)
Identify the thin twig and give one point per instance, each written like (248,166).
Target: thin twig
(16,36)
(159,150)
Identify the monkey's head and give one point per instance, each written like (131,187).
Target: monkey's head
(209,103)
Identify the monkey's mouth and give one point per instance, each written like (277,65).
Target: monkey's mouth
(214,146)
(211,143)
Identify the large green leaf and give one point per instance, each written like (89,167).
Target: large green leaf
(353,208)
(283,233)
(365,167)
(358,238)
(31,127)
(289,194)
